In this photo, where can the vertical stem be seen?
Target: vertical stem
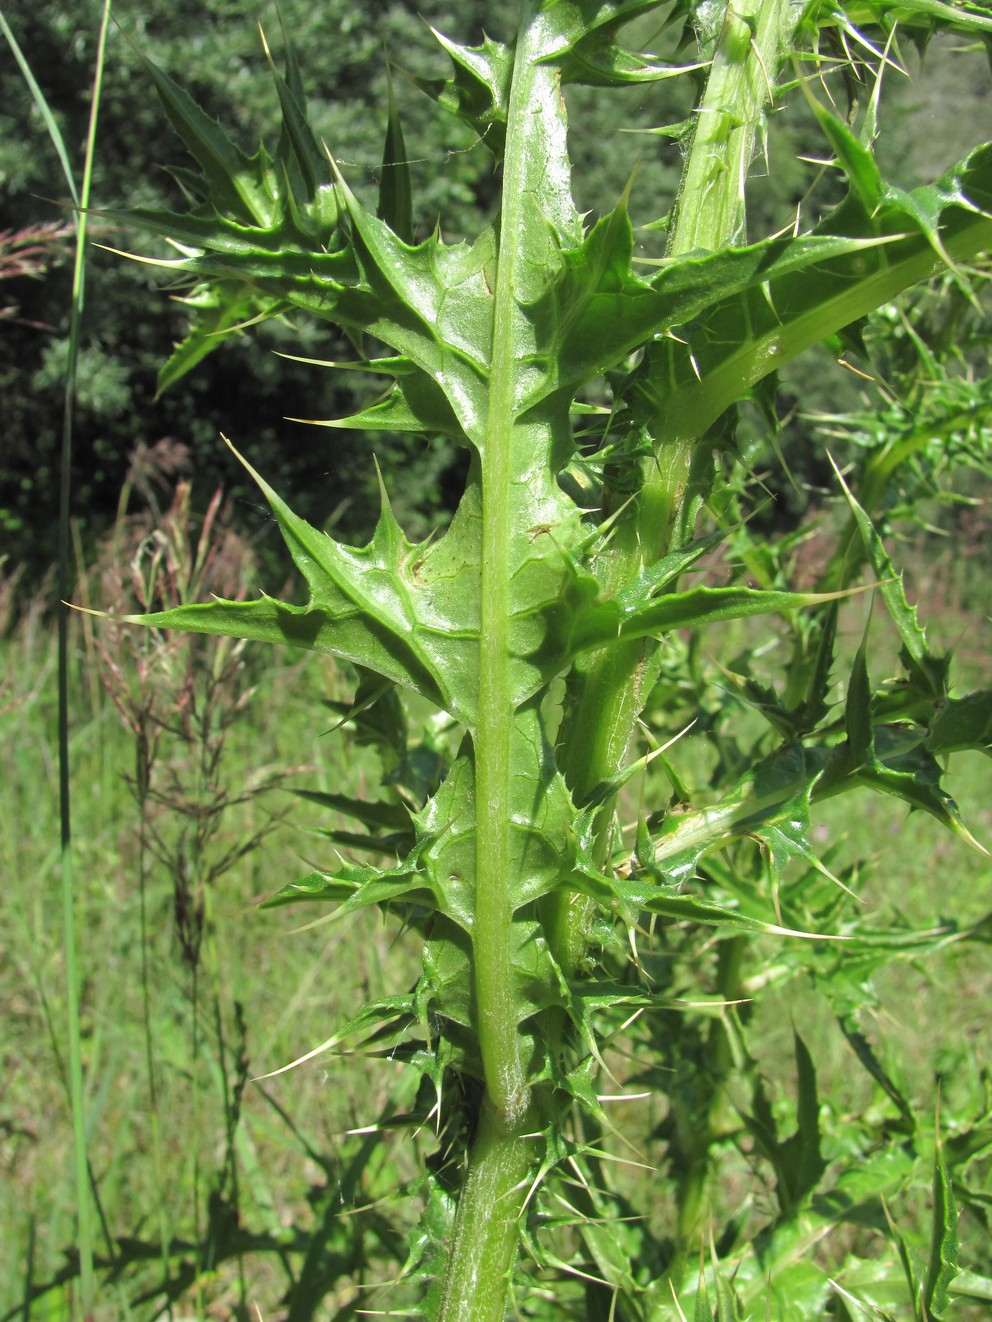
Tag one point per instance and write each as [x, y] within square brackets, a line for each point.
[753, 39]
[76, 1091]
[498, 1036]
[697, 1118]
[477, 1282]
[610, 692]
[477, 1278]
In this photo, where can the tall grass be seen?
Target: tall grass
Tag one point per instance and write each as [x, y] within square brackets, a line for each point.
[137, 997]
[81, 198]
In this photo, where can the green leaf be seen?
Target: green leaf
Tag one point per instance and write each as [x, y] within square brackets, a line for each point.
[393, 1012]
[415, 404]
[43, 108]
[810, 1165]
[366, 606]
[702, 1310]
[478, 91]
[299, 152]
[637, 611]
[236, 181]
[374, 814]
[890, 585]
[965, 17]
[814, 706]
[728, 1304]
[353, 887]
[633, 896]
[585, 48]
[742, 337]
[914, 776]
[857, 712]
[971, 1285]
[218, 312]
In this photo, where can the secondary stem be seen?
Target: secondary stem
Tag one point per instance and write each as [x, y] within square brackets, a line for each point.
[711, 215]
[754, 36]
[610, 693]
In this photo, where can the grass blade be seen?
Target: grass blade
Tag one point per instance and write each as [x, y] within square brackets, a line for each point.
[84, 1211]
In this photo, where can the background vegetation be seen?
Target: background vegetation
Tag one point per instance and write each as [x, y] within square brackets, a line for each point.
[188, 994]
[131, 325]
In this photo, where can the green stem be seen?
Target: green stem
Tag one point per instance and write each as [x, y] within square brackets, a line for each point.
[600, 726]
[477, 1277]
[498, 1036]
[609, 692]
[699, 1119]
[477, 1283]
[700, 404]
[735, 815]
[752, 41]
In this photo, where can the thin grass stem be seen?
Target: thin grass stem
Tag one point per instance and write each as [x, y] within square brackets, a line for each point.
[83, 1197]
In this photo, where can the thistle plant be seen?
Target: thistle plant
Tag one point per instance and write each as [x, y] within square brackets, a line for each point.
[555, 623]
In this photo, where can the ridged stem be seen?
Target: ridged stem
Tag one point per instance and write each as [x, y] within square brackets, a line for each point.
[753, 39]
[493, 735]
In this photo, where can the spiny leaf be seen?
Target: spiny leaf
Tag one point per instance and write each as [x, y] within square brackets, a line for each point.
[857, 711]
[890, 586]
[375, 813]
[865, 1053]
[637, 612]
[218, 312]
[746, 336]
[631, 896]
[585, 48]
[236, 180]
[479, 90]
[299, 151]
[728, 1305]
[415, 404]
[814, 706]
[964, 16]
[391, 1010]
[353, 887]
[914, 776]
[809, 1165]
